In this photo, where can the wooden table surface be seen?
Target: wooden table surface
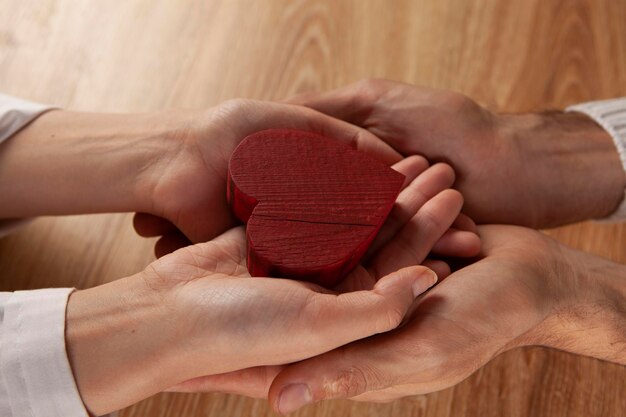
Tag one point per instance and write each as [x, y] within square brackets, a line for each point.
[142, 55]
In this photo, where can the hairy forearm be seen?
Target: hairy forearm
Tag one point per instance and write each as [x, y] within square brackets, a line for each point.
[590, 316]
[570, 164]
[70, 163]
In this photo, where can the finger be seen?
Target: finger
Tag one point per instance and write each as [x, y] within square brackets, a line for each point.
[343, 318]
[148, 225]
[458, 244]
[410, 167]
[252, 116]
[170, 243]
[372, 312]
[427, 185]
[413, 243]
[347, 372]
[441, 268]
[464, 222]
[251, 382]
[353, 103]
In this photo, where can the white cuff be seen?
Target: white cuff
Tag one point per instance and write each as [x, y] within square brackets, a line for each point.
[611, 115]
[36, 373]
[16, 113]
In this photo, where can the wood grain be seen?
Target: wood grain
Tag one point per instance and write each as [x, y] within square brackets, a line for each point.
[140, 55]
[312, 205]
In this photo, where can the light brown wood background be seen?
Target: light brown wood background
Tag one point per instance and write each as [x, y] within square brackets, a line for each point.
[142, 55]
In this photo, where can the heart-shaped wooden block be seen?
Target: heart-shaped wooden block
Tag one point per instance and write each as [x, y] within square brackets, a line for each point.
[312, 204]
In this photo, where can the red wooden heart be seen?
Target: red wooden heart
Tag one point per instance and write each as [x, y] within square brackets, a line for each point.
[313, 205]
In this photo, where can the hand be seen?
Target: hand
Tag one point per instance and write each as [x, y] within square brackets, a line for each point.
[536, 170]
[170, 166]
[189, 189]
[526, 290]
[197, 312]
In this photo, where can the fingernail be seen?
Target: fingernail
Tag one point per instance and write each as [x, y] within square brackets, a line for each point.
[293, 397]
[423, 282]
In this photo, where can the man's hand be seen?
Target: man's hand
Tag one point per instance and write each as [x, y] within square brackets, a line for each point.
[537, 170]
[527, 290]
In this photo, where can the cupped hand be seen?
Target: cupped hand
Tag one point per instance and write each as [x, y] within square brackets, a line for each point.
[187, 184]
[457, 327]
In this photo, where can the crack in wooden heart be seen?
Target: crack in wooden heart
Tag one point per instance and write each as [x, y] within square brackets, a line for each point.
[312, 205]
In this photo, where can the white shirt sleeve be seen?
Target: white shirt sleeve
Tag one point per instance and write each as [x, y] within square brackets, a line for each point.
[35, 375]
[611, 115]
[16, 113]
[37, 380]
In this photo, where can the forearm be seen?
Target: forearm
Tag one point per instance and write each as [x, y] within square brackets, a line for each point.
[70, 163]
[570, 164]
[589, 316]
[121, 343]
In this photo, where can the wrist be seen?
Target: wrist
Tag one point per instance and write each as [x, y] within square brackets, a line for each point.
[568, 164]
[121, 343]
[72, 163]
[588, 316]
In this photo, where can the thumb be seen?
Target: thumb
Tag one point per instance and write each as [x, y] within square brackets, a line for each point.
[355, 315]
[371, 364]
[321, 377]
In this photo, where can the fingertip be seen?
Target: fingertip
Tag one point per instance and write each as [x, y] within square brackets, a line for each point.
[464, 222]
[411, 167]
[423, 281]
[418, 278]
[441, 268]
[474, 244]
[455, 196]
[446, 170]
[291, 398]
[458, 243]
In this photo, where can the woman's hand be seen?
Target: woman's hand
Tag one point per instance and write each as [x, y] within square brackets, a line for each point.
[169, 165]
[197, 312]
[189, 186]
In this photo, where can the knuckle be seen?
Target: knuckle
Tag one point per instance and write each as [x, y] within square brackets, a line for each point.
[431, 220]
[235, 106]
[370, 89]
[457, 102]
